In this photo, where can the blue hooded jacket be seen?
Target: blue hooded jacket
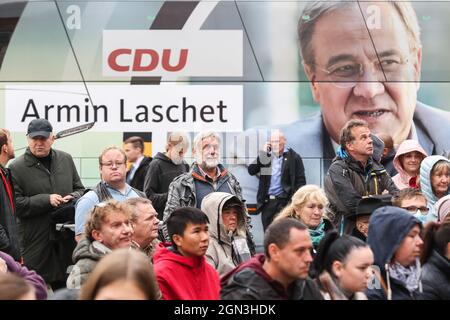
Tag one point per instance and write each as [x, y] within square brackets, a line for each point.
[388, 226]
[425, 183]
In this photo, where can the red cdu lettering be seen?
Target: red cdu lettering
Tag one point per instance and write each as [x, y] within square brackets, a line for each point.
[137, 63]
[112, 59]
[181, 61]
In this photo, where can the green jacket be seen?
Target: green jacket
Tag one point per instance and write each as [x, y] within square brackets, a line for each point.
[33, 184]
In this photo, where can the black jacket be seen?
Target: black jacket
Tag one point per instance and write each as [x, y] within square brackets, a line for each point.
[249, 281]
[33, 184]
[292, 175]
[139, 176]
[436, 278]
[388, 227]
[347, 182]
[160, 174]
[9, 238]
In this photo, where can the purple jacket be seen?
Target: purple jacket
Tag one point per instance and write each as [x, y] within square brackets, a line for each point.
[30, 276]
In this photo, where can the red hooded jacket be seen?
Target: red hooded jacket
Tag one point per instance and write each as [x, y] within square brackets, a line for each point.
[185, 278]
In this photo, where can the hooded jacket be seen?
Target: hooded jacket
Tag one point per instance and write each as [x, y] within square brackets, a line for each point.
[220, 250]
[250, 281]
[85, 256]
[161, 172]
[442, 208]
[388, 226]
[184, 278]
[425, 183]
[183, 191]
[403, 180]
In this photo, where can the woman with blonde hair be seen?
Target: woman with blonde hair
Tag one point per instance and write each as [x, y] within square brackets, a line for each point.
[308, 205]
[124, 274]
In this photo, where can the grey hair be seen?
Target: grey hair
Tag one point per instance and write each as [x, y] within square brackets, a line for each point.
[203, 135]
[174, 138]
[314, 10]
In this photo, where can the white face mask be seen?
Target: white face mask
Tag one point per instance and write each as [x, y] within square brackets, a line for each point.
[421, 216]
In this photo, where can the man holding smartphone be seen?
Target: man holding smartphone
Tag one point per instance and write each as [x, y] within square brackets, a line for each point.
[281, 173]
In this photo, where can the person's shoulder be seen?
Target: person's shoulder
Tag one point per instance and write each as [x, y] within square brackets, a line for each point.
[89, 196]
[18, 162]
[62, 154]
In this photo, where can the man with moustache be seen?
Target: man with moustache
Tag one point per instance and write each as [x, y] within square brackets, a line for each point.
[206, 175]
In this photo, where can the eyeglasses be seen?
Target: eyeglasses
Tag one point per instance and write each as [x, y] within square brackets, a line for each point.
[414, 209]
[347, 74]
[110, 164]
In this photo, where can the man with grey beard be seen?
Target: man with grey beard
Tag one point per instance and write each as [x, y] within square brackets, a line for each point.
[206, 175]
[164, 168]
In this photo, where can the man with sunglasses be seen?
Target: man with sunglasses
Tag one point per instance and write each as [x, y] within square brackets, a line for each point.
[112, 165]
[363, 61]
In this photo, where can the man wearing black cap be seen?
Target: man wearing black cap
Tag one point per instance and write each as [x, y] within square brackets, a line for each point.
[365, 208]
[44, 179]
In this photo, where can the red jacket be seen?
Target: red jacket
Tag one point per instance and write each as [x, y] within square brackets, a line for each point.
[185, 278]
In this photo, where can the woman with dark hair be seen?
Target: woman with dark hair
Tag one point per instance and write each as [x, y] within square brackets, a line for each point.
[123, 274]
[343, 265]
[436, 261]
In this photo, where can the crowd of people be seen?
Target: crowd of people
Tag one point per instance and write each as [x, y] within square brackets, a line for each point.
[364, 236]
[160, 228]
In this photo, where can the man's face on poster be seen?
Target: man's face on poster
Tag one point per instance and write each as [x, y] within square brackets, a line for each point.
[348, 80]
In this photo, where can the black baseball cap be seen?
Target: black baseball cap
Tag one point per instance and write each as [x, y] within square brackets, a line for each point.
[39, 128]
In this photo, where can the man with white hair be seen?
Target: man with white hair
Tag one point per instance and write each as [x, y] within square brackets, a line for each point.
[206, 175]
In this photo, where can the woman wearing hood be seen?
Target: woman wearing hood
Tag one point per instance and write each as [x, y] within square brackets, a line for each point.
[228, 245]
[407, 162]
[394, 237]
[434, 181]
[442, 208]
[308, 205]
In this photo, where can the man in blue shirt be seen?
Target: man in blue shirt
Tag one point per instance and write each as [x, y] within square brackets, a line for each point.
[281, 173]
[112, 162]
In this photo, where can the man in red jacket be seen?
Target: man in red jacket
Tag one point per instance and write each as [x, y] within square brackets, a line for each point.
[181, 268]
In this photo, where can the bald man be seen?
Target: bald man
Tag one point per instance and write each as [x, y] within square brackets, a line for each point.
[281, 173]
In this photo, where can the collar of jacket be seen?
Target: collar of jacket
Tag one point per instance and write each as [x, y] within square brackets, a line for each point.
[196, 174]
[370, 167]
[31, 160]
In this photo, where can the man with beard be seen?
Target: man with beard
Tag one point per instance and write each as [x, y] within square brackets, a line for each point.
[164, 168]
[9, 239]
[206, 175]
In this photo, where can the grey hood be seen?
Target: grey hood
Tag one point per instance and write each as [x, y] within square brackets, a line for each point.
[212, 205]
